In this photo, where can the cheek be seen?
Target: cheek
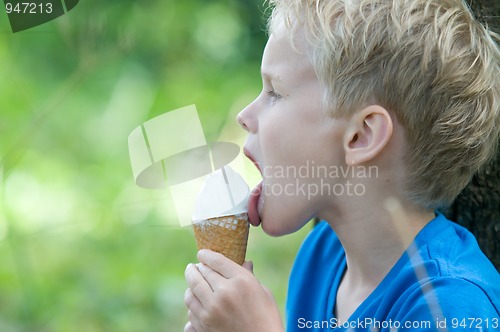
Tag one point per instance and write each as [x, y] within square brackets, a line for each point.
[292, 141]
[275, 140]
[285, 210]
[283, 138]
[285, 143]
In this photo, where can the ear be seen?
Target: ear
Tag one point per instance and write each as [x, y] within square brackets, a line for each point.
[368, 132]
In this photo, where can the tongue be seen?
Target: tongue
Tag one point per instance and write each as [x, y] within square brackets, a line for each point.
[253, 201]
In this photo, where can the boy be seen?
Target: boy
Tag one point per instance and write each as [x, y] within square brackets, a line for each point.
[390, 106]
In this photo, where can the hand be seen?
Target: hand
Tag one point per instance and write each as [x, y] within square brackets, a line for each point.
[224, 296]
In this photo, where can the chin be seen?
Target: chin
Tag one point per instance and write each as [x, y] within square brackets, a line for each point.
[272, 229]
[284, 225]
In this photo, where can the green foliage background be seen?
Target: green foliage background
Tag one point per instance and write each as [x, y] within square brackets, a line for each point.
[81, 247]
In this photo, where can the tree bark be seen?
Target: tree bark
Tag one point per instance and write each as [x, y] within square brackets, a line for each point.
[487, 12]
[478, 206]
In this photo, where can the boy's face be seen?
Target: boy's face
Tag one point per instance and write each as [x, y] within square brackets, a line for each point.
[289, 132]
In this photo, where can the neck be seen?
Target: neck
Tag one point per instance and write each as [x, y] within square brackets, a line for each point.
[374, 239]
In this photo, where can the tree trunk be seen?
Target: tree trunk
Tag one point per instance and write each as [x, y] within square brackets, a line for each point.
[487, 12]
[478, 206]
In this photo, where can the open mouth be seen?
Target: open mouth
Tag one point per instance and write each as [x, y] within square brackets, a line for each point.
[252, 159]
[255, 202]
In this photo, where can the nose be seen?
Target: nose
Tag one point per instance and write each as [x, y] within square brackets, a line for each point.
[247, 118]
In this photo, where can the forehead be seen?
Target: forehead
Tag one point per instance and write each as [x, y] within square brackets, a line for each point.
[282, 60]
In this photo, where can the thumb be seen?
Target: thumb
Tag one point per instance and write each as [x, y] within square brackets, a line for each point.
[248, 265]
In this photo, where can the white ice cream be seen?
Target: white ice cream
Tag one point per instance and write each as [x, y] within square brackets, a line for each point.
[223, 193]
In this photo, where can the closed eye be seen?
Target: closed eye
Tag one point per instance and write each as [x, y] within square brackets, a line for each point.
[275, 96]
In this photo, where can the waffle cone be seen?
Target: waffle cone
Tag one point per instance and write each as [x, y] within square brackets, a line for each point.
[227, 235]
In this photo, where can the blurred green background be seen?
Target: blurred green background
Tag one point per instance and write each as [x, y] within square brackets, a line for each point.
[82, 248]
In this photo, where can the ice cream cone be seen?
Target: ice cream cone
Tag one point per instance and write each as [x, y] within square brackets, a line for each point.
[227, 235]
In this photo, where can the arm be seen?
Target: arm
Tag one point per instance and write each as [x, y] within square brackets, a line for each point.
[223, 296]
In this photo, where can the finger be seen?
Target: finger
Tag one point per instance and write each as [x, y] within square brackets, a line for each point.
[195, 322]
[248, 265]
[218, 263]
[192, 303]
[199, 286]
[214, 279]
[189, 328]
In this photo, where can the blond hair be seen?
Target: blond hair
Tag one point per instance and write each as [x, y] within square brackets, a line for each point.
[428, 61]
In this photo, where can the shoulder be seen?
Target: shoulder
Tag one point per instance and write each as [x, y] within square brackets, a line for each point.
[462, 304]
[446, 250]
[444, 275]
[455, 292]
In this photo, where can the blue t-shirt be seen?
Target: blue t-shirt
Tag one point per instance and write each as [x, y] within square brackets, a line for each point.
[443, 282]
